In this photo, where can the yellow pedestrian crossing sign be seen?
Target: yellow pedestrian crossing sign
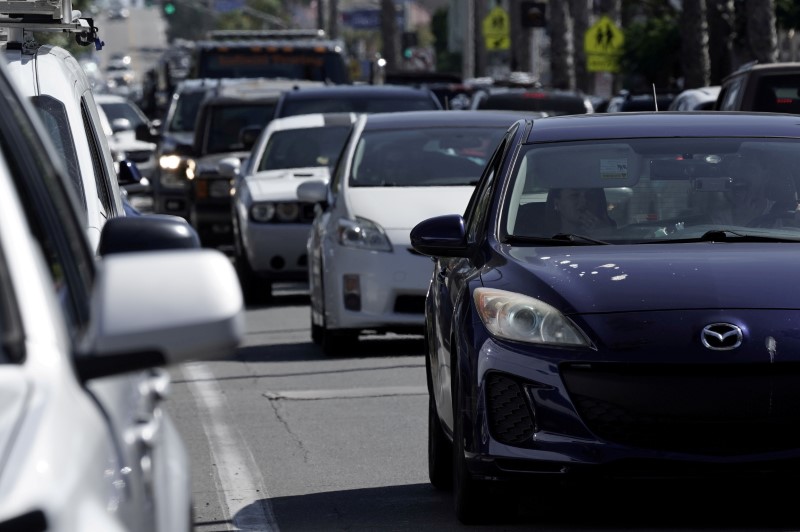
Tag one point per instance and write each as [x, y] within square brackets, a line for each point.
[603, 44]
[497, 30]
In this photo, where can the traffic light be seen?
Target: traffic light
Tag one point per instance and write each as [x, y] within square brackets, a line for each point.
[409, 41]
[169, 8]
[533, 14]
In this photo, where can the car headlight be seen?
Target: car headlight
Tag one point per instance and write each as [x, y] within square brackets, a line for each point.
[525, 319]
[262, 212]
[363, 234]
[287, 212]
[169, 162]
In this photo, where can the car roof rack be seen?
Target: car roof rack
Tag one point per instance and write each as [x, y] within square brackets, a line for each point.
[22, 17]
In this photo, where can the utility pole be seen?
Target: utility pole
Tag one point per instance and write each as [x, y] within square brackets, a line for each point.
[333, 19]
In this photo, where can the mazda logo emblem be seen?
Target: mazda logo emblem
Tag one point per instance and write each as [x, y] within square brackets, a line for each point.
[721, 336]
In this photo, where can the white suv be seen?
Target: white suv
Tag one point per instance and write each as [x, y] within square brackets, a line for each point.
[53, 80]
[85, 444]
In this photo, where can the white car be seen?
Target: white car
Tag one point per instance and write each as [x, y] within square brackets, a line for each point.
[124, 116]
[397, 169]
[271, 225]
[52, 79]
[85, 442]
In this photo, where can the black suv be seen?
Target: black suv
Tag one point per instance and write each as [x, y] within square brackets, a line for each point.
[768, 87]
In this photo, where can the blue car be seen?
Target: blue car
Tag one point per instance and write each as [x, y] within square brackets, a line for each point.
[620, 299]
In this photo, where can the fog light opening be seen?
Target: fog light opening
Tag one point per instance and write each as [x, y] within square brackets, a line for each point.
[277, 262]
[351, 292]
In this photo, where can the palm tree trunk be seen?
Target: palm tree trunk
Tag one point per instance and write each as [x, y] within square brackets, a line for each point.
[694, 44]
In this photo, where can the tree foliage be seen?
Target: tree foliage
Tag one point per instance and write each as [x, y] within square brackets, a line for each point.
[652, 53]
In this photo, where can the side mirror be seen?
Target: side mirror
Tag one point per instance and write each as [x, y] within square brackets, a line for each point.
[128, 173]
[145, 132]
[153, 232]
[442, 236]
[229, 167]
[314, 191]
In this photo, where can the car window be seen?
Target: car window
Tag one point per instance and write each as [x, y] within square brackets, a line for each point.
[53, 114]
[48, 206]
[355, 104]
[227, 121]
[778, 94]
[730, 94]
[124, 110]
[437, 156]
[101, 177]
[297, 148]
[185, 113]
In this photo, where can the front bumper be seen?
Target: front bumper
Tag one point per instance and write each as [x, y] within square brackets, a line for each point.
[277, 250]
[391, 289]
[540, 413]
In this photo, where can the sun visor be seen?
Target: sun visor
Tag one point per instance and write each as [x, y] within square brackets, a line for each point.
[603, 165]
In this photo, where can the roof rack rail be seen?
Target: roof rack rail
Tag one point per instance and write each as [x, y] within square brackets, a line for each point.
[21, 17]
[266, 34]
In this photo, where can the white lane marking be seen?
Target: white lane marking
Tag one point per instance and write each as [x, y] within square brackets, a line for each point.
[245, 495]
[314, 395]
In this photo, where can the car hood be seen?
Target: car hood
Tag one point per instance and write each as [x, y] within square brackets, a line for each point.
[595, 279]
[282, 184]
[401, 208]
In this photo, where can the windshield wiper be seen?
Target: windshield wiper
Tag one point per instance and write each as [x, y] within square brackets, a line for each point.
[560, 239]
[727, 235]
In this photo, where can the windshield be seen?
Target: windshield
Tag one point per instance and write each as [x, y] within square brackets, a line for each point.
[185, 113]
[655, 190]
[439, 156]
[302, 148]
[115, 111]
[227, 123]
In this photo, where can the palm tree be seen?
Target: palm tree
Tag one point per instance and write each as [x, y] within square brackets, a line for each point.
[562, 61]
[694, 44]
[761, 33]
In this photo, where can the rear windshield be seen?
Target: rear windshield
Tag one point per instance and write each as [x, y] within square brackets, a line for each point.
[271, 62]
[534, 101]
[778, 94]
[357, 103]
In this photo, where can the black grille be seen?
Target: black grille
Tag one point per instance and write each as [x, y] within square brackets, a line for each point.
[307, 212]
[712, 411]
[409, 305]
[510, 419]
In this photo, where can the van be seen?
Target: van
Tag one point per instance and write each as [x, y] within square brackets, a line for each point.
[56, 84]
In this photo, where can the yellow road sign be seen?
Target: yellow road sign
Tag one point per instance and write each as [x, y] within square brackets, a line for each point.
[603, 44]
[497, 29]
[604, 37]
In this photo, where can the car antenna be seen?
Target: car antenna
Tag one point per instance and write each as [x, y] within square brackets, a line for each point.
[655, 98]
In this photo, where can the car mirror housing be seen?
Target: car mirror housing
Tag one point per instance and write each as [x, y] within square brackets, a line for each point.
[128, 173]
[153, 232]
[229, 167]
[161, 308]
[314, 191]
[441, 236]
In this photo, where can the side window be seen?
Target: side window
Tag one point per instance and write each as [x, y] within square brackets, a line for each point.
[100, 173]
[50, 209]
[53, 114]
[476, 212]
[730, 96]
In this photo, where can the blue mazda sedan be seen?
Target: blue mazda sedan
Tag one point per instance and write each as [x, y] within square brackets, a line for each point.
[621, 298]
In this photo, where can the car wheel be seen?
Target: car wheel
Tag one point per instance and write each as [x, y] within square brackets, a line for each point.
[255, 289]
[336, 343]
[471, 496]
[316, 331]
[440, 451]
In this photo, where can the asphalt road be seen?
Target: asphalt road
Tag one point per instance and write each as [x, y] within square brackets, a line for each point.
[284, 438]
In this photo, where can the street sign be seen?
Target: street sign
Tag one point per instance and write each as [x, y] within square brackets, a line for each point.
[497, 30]
[603, 44]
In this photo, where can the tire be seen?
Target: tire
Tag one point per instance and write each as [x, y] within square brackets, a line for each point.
[440, 451]
[316, 332]
[255, 289]
[471, 496]
[336, 343]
